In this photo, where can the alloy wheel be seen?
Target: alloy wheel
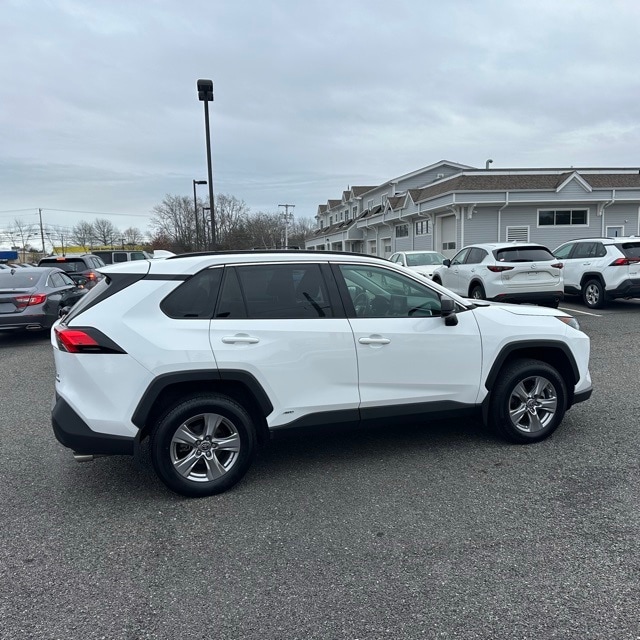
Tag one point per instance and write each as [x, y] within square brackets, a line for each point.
[533, 404]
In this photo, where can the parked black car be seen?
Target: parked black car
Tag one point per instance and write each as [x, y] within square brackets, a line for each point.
[77, 267]
[32, 298]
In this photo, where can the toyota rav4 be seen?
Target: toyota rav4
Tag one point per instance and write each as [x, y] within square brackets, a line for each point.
[209, 355]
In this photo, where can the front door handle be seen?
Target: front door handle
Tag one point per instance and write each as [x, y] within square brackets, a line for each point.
[240, 337]
[374, 340]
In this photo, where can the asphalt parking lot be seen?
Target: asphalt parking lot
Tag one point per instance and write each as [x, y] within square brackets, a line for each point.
[425, 531]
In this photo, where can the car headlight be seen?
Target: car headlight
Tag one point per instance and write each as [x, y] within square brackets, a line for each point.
[570, 320]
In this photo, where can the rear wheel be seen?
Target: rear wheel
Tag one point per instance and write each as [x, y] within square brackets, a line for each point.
[204, 445]
[528, 402]
[477, 292]
[593, 294]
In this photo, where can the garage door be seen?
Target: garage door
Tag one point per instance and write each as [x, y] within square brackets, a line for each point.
[448, 236]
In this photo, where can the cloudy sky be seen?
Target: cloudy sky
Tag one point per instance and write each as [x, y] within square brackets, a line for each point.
[99, 112]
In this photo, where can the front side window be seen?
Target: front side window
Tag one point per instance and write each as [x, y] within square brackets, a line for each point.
[376, 292]
[563, 252]
[460, 256]
[265, 291]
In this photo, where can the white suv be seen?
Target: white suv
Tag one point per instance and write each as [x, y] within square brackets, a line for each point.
[210, 354]
[601, 269]
[504, 272]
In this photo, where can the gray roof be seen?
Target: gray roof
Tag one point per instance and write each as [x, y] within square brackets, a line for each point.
[523, 182]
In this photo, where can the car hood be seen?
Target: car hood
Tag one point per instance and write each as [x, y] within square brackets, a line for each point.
[425, 270]
[518, 309]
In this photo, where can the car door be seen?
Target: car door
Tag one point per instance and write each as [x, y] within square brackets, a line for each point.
[407, 356]
[469, 270]
[451, 275]
[577, 263]
[285, 325]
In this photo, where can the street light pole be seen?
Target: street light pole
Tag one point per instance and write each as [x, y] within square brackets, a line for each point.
[205, 94]
[195, 211]
[287, 217]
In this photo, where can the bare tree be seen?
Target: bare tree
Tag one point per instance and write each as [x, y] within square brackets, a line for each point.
[105, 232]
[133, 236]
[231, 214]
[174, 219]
[83, 235]
[300, 230]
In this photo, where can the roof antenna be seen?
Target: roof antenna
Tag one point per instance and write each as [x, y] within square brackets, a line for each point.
[487, 163]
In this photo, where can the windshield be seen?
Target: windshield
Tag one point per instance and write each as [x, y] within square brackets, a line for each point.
[423, 259]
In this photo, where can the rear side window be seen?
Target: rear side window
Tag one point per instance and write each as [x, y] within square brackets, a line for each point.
[523, 254]
[630, 249]
[476, 256]
[195, 298]
[275, 291]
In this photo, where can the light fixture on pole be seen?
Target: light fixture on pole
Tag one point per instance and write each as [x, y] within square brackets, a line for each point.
[195, 211]
[287, 218]
[205, 94]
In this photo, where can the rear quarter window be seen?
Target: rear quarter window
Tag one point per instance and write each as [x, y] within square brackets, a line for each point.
[195, 298]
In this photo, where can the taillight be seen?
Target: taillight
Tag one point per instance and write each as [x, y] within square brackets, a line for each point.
[624, 262]
[497, 269]
[91, 275]
[22, 302]
[557, 265]
[84, 340]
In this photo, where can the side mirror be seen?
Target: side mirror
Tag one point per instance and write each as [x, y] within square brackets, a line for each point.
[448, 311]
[447, 263]
[63, 312]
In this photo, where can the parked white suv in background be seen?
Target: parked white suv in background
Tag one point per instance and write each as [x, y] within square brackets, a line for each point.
[601, 269]
[504, 272]
[422, 262]
[210, 354]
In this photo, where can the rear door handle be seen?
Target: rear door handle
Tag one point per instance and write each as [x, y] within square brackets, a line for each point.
[240, 337]
[374, 340]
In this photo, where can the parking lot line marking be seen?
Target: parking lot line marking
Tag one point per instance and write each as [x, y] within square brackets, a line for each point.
[586, 313]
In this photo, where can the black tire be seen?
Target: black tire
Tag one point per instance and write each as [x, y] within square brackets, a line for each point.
[181, 456]
[477, 292]
[527, 402]
[593, 294]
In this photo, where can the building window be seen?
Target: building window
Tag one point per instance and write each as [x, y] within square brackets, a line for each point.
[563, 217]
[330, 220]
[402, 231]
[369, 204]
[422, 228]
[354, 211]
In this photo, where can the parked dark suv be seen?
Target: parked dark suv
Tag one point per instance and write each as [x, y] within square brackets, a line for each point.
[77, 267]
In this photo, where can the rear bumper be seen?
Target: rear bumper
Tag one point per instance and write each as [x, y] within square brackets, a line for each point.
[627, 289]
[536, 297]
[13, 321]
[581, 396]
[72, 432]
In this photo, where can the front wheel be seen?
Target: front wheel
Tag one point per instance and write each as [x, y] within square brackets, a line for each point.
[204, 445]
[593, 294]
[528, 401]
